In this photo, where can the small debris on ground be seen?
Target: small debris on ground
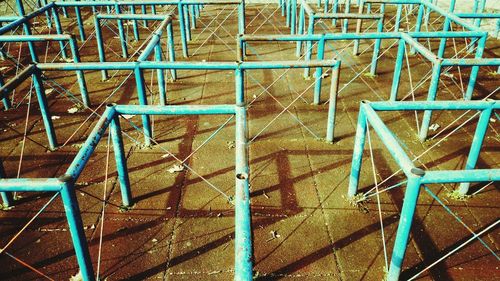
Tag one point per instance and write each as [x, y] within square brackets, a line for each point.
[176, 168]
[230, 144]
[73, 110]
[434, 127]
[55, 117]
[154, 240]
[265, 195]
[274, 235]
[48, 91]
[447, 74]
[76, 277]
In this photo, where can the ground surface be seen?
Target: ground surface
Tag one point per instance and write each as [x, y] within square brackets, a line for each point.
[303, 227]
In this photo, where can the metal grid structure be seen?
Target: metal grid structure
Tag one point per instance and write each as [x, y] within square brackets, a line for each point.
[187, 14]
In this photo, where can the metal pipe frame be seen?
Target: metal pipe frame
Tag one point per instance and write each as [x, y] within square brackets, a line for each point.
[65, 184]
[416, 176]
[238, 67]
[187, 10]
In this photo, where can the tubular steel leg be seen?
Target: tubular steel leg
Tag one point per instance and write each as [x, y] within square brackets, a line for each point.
[332, 107]
[346, 21]
[397, 70]
[418, 25]
[27, 30]
[243, 224]
[141, 92]
[319, 72]
[59, 31]
[475, 69]
[79, 73]
[300, 30]
[182, 28]
[431, 96]
[161, 76]
[135, 26]
[293, 18]
[121, 33]
[239, 75]
[100, 47]
[477, 142]
[44, 109]
[143, 11]
[404, 227]
[359, 25]
[398, 18]
[75, 223]
[357, 154]
[81, 30]
[378, 42]
[171, 50]
[186, 22]
[335, 8]
[310, 31]
[121, 161]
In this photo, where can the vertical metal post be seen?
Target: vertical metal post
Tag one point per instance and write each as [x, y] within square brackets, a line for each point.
[431, 96]
[243, 224]
[242, 22]
[359, 25]
[477, 142]
[347, 10]
[186, 21]
[404, 227]
[293, 19]
[100, 46]
[7, 198]
[310, 31]
[239, 75]
[319, 71]
[162, 92]
[79, 73]
[79, 22]
[47, 15]
[141, 93]
[44, 108]
[475, 69]
[397, 70]
[135, 26]
[300, 30]
[75, 223]
[171, 50]
[335, 8]
[288, 13]
[332, 106]
[357, 154]
[418, 24]
[121, 32]
[182, 28]
[143, 11]
[378, 42]
[59, 31]
[398, 17]
[193, 16]
[121, 160]
[446, 27]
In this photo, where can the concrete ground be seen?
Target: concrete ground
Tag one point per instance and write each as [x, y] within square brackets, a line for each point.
[180, 228]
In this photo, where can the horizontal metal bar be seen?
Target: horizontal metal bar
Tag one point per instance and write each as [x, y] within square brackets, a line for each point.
[347, 16]
[149, 2]
[450, 16]
[175, 109]
[24, 19]
[35, 185]
[133, 16]
[156, 36]
[421, 49]
[472, 62]
[9, 18]
[185, 65]
[457, 176]
[433, 105]
[478, 15]
[35, 38]
[6, 89]
[390, 2]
